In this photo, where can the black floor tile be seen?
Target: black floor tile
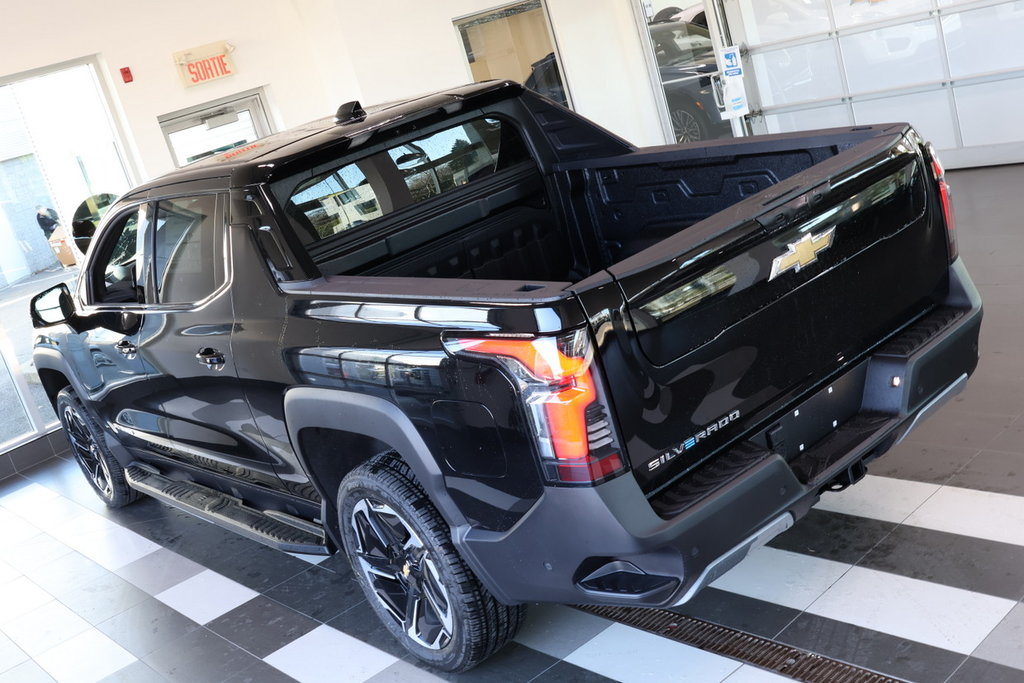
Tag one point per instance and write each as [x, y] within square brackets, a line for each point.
[257, 568]
[200, 657]
[262, 626]
[260, 672]
[870, 649]
[930, 464]
[765, 619]
[976, 670]
[564, 672]
[360, 621]
[833, 536]
[102, 598]
[6, 467]
[146, 627]
[318, 593]
[993, 471]
[952, 560]
[514, 662]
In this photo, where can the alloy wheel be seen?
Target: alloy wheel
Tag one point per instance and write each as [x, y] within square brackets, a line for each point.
[87, 451]
[402, 574]
[686, 126]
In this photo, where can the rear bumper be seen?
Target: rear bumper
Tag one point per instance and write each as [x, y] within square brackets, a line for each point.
[611, 545]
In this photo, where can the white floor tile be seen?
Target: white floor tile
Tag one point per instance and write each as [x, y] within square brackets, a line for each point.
[159, 571]
[27, 672]
[945, 617]
[751, 674]
[628, 654]
[7, 572]
[206, 596]
[328, 655]
[53, 513]
[20, 596]
[557, 630]
[782, 577]
[45, 627]
[10, 654]
[113, 548]
[88, 657]
[992, 516]
[28, 499]
[312, 559]
[37, 551]
[14, 530]
[884, 498]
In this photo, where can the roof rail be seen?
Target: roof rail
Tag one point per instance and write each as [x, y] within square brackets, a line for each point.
[349, 112]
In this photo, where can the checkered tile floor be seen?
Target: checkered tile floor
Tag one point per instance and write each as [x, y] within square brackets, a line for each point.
[917, 572]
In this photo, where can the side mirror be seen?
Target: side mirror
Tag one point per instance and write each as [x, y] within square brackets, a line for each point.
[52, 306]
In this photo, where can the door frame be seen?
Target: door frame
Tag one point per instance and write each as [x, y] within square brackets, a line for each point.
[253, 100]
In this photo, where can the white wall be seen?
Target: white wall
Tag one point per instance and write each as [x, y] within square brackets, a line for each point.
[312, 55]
[272, 50]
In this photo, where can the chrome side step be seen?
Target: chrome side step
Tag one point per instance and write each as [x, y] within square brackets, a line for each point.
[276, 529]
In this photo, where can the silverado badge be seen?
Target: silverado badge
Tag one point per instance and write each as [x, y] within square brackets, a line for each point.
[801, 253]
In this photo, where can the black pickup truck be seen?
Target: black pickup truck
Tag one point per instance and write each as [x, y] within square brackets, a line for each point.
[497, 355]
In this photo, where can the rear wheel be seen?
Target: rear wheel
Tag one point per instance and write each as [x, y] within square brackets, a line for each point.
[101, 469]
[403, 557]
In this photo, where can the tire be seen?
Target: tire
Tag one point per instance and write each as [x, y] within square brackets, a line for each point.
[402, 555]
[103, 472]
[688, 125]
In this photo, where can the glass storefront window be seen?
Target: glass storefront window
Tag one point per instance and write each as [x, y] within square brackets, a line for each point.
[514, 42]
[57, 147]
[684, 55]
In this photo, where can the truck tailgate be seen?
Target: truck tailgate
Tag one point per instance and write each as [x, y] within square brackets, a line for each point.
[739, 314]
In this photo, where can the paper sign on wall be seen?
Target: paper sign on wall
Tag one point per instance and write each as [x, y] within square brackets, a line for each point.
[733, 93]
[205, 63]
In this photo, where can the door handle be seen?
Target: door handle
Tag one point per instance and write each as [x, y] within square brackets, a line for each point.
[126, 349]
[211, 358]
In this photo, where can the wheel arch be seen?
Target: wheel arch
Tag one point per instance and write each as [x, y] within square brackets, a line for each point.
[334, 431]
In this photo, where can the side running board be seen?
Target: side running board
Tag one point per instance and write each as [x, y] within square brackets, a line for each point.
[276, 529]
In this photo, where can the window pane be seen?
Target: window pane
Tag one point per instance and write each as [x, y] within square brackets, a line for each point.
[997, 28]
[769, 20]
[349, 196]
[117, 273]
[797, 74]
[892, 57]
[188, 256]
[849, 13]
[929, 112]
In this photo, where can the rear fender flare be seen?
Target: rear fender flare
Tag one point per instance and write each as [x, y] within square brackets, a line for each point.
[308, 407]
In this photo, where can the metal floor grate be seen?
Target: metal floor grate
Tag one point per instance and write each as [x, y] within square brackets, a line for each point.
[767, 654]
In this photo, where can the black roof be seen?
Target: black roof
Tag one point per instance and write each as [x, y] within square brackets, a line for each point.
[257, 160]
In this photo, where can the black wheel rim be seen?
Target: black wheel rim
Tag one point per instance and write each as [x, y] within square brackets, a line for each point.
[686, 126]
[86, 450]
[402, 574]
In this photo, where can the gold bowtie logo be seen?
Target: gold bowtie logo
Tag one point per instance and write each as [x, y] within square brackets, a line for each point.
[801, 253]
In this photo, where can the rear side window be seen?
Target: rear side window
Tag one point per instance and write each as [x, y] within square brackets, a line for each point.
[350, 195]
[188, 253]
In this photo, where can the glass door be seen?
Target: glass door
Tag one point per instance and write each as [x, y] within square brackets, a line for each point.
[214, 127]
[683, 55]
[514, 42]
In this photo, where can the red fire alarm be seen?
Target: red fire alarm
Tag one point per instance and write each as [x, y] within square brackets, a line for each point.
[126, 74]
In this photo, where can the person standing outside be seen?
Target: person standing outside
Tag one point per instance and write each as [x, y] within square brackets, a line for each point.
[47, 219]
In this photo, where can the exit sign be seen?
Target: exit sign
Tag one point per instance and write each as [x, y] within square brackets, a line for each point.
[205, 63]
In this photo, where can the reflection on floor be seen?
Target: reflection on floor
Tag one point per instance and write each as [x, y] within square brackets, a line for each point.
[917, 572]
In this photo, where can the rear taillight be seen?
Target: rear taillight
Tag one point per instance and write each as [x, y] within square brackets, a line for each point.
[564, 399]
[939, 174]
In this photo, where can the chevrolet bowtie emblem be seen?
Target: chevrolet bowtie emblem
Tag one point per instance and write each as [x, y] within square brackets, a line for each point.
[801, 253]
